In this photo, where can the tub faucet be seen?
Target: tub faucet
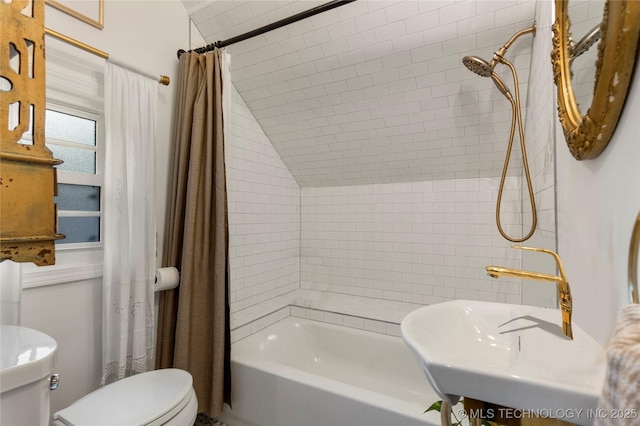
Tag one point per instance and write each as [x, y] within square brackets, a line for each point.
[564, 291]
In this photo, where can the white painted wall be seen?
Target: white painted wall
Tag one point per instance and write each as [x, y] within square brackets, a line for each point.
[598, 201]
[71, 313]
[145, 34]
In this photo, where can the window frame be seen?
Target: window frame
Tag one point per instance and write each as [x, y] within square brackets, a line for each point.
[79, 178]
[75, 261]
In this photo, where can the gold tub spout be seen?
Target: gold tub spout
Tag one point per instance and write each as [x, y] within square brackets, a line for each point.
[564, 291]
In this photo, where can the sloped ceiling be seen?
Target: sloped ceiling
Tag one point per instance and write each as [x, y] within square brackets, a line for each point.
[375, 91]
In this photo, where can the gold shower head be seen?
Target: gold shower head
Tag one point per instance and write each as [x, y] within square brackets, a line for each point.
[478, 66]
[484, 69]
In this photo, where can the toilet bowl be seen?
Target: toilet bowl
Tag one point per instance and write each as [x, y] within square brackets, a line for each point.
[160, 397]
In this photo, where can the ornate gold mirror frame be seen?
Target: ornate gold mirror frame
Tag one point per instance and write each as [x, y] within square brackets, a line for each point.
[588, 135]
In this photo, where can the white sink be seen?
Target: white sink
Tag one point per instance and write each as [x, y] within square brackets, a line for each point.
[510, 355]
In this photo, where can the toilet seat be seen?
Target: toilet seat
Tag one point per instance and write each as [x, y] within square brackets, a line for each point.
[151, 398]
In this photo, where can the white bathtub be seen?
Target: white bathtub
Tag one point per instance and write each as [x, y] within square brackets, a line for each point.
[304, 373]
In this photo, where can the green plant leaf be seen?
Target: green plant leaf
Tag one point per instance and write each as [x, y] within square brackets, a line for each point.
[486, 423]
[436, 406]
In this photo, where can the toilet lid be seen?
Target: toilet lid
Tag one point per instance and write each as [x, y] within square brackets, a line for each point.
[142, 399]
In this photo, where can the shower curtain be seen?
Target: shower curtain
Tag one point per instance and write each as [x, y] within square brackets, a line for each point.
[129, 223]
[193, 323]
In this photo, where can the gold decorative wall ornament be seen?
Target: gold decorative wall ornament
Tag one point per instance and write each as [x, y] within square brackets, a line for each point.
[27, 175]
[587, 135]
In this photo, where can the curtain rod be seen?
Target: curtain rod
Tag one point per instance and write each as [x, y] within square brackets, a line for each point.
[278, 24]
[164, 80]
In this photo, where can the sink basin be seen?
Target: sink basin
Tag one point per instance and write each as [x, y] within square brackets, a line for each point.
[510, 355]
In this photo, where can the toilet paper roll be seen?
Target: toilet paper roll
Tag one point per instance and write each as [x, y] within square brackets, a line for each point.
[167, 278]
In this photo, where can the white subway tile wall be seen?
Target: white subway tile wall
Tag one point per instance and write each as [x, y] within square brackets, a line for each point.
[540, 135]
[254, 325]
[419, 242]
[347, 320]
[195, 38]
[539, 126]
[375, 91]
[344, 98]
[377, 315]
[264, 214]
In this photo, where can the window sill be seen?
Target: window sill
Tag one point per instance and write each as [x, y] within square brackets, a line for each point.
[51, 275]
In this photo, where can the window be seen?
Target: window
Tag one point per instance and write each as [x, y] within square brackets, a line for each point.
[75, 137]
[74, 132]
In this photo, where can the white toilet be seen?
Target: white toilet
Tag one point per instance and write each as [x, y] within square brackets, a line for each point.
[27, 358]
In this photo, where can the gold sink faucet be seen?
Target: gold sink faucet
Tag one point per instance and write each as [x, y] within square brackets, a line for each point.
[564, 291]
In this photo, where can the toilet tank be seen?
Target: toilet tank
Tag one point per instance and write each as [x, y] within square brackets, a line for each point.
[27, 359]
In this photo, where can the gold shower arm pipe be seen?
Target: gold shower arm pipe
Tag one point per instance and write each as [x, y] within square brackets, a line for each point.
[164, 80]
[531, 29]
[499, 54]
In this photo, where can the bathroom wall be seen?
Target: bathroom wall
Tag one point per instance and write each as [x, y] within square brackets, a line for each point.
[423, 265]
[264, 214]
[426, 242]
[374, 91]
[598, 202]
[540, 137]
[418, 242]
[65, 301]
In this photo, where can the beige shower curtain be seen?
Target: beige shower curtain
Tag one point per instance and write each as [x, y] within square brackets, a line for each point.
[193, 319]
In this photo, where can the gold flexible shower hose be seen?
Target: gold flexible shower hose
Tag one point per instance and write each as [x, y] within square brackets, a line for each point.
[516, 114]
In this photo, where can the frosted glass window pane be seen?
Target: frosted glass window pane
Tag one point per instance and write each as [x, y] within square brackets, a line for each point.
[70, 128]
[78, 197]
[79, 229]
[75, 160]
